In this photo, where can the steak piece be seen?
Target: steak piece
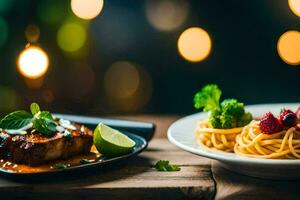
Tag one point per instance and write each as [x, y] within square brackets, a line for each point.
[35, 149]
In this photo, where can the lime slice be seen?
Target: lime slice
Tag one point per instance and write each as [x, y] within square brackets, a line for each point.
[111, 142]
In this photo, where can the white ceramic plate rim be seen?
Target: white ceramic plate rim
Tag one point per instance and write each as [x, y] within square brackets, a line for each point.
[256, 110]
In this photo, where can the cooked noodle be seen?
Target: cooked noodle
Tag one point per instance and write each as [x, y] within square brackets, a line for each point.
[253, 143]
[219, 139]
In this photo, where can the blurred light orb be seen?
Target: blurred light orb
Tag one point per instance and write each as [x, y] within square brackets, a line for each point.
[87, 9]
[288, 47]
[52, 12]
[121, 80]
[33, 62]
[295, 6]
[194, 44]
[6, 5]
[9, 98]
[167, 15]
[71, 37]
[3, 31]
[32, 33]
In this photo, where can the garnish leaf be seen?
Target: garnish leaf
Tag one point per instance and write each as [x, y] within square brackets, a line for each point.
[164, 165]
[62, 166]
[45, 123]
[34, 108]
[85, 161]
[16, 120]
[208, 98]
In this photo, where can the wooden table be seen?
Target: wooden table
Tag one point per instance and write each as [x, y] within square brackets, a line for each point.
[199, 178]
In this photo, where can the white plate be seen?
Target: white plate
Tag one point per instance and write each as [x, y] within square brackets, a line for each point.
[181, 133]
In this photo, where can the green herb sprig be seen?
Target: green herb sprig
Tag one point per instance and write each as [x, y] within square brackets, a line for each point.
[165, 166]
[41, 120]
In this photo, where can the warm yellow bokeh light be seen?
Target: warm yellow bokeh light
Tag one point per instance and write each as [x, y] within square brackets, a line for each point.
[295, 7]
[33, 62]
[167, 15]
[71, 37]
[288, 47]
[87, 9]
[121, 80]
[194, 44]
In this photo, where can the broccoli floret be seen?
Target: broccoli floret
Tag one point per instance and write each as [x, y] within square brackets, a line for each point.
[208, 98]
[229, 114]
[245, 119]
[228, 121]
[214, 119]
[232, 107]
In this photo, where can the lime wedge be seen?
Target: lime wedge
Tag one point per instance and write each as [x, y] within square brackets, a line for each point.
[111, 142]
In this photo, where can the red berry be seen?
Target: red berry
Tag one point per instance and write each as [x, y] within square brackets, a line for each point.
[298, 112]
[288, 118]
[284, 112]
[297, 127]
[270, 124]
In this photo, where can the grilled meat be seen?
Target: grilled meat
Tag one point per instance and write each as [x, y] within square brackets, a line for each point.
[34, 149]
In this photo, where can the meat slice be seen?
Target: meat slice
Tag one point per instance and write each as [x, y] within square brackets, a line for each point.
[34, 149]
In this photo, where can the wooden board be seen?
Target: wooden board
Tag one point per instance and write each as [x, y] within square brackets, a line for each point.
[134, 178]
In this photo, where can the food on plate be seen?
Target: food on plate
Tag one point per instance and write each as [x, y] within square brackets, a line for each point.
[271, 137]
[225, 121]
[111, 142]
[38, 137]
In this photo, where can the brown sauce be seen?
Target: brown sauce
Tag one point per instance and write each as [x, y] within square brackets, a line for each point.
[7, 165]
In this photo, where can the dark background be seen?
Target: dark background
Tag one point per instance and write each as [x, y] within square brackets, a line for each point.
[244, 61]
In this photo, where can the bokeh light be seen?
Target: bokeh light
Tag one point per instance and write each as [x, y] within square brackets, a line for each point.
[5, 5]
[87, 9]
[128, 86]
[32, 33]
[9, 98]
[295, 6]
[121, 80]
[71, 37]
[194, 44]
[33, 62]
[52, 11]
[288, 47]
[3, 31]
[167, 15]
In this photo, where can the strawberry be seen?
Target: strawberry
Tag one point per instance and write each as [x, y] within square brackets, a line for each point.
[288, 118]
[270, 124]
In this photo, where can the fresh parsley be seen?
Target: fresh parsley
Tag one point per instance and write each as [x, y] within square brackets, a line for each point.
[165, 166]
[41, 120]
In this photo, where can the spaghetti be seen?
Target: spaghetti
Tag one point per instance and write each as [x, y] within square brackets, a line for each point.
[218, 139]
[253, 143]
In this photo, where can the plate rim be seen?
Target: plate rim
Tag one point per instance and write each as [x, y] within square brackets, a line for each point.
[223, 156]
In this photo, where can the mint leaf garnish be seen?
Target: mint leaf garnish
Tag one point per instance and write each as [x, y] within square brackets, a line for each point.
[164, 165]
[34, 108]
[16, 120]
[44, 123]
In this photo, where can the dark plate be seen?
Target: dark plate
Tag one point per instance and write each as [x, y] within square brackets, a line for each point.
[134, 130]
[141, 144]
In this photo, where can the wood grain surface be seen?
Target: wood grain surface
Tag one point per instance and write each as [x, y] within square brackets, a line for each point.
[134, 179]
[199, 178]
